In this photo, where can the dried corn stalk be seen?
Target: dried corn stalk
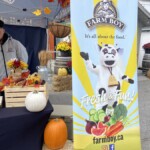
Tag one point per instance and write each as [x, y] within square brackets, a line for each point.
[44, 56]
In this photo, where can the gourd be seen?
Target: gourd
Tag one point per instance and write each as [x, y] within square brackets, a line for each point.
[35, 101]
[55, 134]
[62, 72]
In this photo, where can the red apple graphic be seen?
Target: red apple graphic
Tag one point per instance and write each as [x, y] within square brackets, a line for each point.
[98, 131]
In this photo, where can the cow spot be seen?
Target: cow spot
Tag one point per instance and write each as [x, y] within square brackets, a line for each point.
[102, 91]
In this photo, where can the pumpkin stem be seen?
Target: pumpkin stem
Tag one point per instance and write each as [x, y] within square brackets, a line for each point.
[57, 119]
[35, 92]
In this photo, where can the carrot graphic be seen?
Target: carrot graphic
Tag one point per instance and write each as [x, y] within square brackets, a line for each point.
[114, 129]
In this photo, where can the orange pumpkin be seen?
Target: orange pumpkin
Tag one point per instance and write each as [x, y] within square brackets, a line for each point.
[55, 134]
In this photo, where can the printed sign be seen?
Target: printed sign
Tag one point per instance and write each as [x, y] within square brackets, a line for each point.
[105, 96]
[105, 13]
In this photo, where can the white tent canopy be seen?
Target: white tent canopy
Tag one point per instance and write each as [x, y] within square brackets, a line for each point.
[19, 12]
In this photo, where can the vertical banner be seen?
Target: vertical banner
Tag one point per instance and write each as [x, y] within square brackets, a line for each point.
[105, 94]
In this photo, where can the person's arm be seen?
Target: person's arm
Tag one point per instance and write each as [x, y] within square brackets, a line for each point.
[21, 52]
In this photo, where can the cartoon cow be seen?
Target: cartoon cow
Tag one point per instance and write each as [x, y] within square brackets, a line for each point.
[108, 72]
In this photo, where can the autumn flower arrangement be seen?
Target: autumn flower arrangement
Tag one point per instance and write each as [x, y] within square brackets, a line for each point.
[16, 64]
[19, 75]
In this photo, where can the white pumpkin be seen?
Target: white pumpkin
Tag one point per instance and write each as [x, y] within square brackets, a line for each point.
[35, 101]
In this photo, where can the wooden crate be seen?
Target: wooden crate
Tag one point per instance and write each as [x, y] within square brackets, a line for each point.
[15, 96]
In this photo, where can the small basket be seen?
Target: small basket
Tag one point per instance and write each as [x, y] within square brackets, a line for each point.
[59, 30]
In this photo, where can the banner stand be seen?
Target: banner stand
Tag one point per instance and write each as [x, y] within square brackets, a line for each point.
[105, 93]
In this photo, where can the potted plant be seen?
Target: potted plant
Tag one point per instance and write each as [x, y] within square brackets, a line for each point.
[64, 49]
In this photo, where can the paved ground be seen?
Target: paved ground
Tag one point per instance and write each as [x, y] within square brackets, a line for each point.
[144, 108]
[68, 146]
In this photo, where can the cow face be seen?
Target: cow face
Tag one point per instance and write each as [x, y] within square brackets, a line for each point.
[108, 55]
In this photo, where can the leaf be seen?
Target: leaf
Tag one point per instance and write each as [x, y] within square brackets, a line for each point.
[120, 112]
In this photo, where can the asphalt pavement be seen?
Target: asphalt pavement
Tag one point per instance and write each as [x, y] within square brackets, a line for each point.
[144, 109]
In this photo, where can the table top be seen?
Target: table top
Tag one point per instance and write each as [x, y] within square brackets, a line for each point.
[18, 111]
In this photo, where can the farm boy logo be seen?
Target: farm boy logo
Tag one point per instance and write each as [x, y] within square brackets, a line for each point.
[105, 13]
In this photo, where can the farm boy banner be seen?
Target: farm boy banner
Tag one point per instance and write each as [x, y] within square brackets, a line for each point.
[105, 96]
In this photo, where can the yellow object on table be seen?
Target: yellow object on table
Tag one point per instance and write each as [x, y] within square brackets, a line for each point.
[62, 72]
